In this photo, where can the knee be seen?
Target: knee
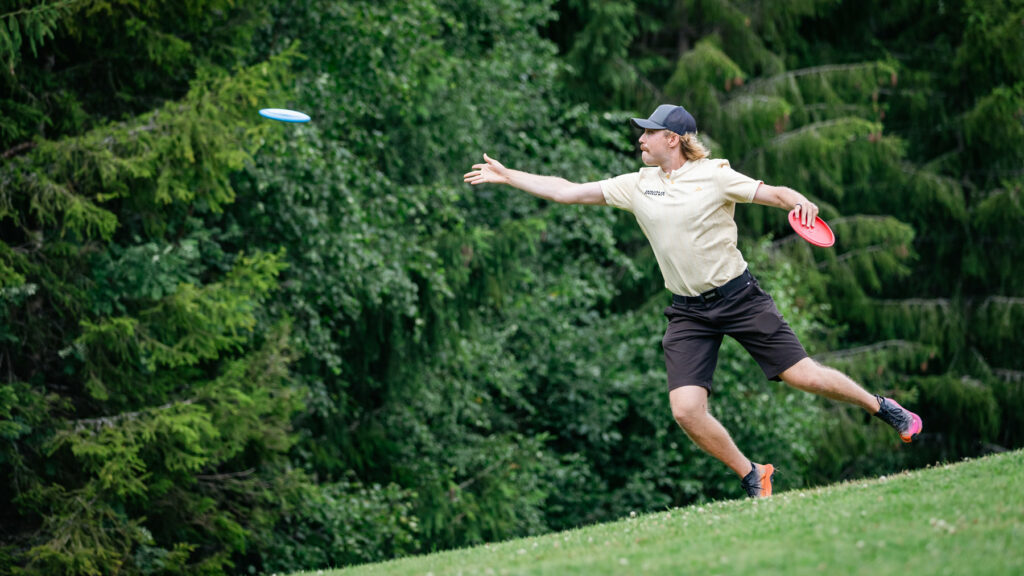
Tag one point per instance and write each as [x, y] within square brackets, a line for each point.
[806, 376]
[688, 414]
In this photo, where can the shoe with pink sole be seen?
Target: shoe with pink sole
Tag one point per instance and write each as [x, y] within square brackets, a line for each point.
[905, 422]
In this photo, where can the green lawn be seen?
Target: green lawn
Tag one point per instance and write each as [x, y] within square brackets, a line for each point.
[965, 518]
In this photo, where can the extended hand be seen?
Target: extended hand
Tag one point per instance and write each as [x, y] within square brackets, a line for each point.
[806, 212]
[491, 171]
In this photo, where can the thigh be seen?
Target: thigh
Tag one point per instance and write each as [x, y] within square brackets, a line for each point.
[766, 335]
[691, 350]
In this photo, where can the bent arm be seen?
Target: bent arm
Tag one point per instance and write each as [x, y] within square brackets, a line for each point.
[548, 187]
[787, 199]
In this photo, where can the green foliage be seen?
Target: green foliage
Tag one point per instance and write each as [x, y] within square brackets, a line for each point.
[31, 25]
[702, 75]
[135, 465]
[1003, 318]
[994, 127]
[991, 259]
[139, 367]
[334, 524]
[600, 47]
[1008, 389]
[398, 289]
[168, 156]
[235, 345]
[991, 44]
[968, 410]
[72, 64]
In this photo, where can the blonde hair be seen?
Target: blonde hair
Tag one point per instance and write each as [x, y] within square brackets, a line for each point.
[691, 147]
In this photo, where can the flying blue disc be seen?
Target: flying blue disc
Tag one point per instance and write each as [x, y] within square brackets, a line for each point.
[284, 115]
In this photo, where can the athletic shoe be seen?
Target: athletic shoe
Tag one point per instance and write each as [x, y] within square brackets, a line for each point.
[905, 422]
[758, 483]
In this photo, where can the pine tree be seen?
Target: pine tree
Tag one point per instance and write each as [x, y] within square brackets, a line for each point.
[795, 95]
[946, 187]
[144, 401]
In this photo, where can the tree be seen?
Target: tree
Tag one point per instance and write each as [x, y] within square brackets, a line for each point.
[829, 99]
[143, 408]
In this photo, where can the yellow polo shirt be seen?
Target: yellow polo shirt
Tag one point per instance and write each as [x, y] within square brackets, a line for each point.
[687, 217]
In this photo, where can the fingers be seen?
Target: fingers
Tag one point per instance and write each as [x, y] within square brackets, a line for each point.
[482, 173]
[807, 213]
[493, 163]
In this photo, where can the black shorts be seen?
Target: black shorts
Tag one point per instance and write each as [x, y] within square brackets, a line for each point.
[748, 314]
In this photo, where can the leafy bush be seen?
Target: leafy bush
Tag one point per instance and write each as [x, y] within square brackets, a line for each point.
[328, 525]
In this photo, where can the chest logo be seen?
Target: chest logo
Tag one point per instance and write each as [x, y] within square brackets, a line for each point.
[654, 192]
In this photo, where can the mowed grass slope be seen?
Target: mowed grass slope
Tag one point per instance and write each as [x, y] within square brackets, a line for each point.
[966, 518]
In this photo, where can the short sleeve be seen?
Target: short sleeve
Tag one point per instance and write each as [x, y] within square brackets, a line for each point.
[735, 187]
[619, 191]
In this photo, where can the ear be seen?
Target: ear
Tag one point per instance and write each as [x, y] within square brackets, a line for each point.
[674, 140]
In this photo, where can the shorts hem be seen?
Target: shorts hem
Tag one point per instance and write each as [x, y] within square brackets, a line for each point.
[705, 385]
[785, 366]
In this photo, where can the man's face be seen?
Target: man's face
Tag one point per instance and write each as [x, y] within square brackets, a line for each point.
[654, 148]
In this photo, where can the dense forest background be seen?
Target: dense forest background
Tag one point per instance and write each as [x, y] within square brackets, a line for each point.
[230, 345]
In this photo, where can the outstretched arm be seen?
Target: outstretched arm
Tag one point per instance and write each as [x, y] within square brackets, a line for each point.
[787, 199]
[548, 187]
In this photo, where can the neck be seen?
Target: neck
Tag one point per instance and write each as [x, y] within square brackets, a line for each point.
[673, 165]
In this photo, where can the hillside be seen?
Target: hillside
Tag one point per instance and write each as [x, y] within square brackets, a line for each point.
[964, 518]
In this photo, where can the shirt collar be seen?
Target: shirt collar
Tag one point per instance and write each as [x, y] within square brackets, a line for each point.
[686, 167]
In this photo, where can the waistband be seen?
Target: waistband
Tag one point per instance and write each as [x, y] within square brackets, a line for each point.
[730, 287]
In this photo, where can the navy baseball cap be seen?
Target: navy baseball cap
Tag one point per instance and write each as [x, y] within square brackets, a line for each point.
[668, 117]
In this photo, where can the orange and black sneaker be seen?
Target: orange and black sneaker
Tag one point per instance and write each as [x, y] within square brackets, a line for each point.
[758, 483]
[905, 422]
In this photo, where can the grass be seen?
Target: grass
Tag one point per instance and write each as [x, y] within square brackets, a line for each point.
[964, 518]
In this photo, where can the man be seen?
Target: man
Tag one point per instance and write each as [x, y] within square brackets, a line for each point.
[684, 203]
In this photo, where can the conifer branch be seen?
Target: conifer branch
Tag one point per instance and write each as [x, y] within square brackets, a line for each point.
[994, 447]
[861, 350]
[110, 421]
[1008, 375]
[651, 86]
[33, 24]
[19, 149]
[937, 302]
[467, 483]
[851, 254]
[756, 85]
[41, 8]
[814, 127]
[1005, 300]
[861, 217]
[787, 239]
[225, 475]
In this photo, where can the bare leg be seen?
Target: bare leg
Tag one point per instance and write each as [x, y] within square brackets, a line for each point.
[809, 376]
[690, 410]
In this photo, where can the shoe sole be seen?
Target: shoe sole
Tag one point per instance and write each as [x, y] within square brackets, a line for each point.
[769, 473]
[915, 429]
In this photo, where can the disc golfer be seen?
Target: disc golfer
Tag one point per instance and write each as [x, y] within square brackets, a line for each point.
[684, 202]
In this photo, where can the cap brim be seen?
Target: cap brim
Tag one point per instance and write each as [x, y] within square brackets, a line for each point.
[647, 124]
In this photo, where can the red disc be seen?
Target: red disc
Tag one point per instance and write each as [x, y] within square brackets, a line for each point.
[819, 235]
